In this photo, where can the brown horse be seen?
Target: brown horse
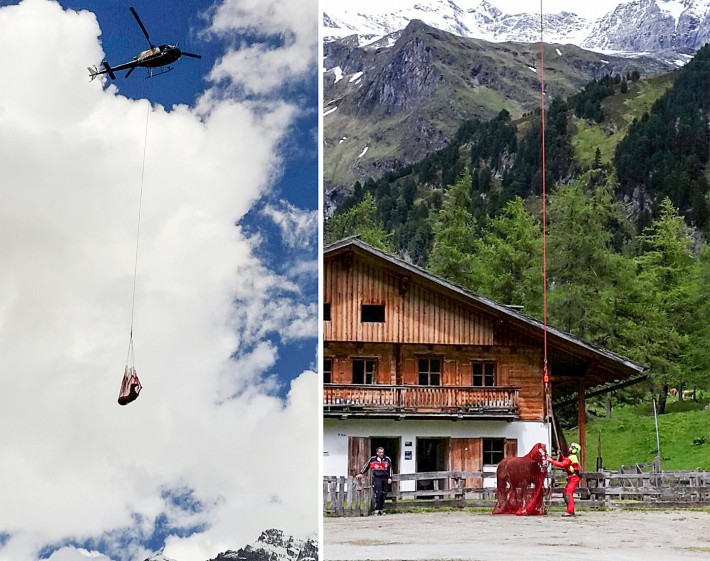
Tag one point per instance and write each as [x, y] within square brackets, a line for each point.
[521, 483]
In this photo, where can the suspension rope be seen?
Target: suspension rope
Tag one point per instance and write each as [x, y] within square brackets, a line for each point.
[130, 359]
[544, 195]
[546, 373]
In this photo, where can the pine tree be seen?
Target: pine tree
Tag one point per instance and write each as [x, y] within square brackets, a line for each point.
[597, 159]
[454, 233]
[666, 266]
[360, 220]
[508, 258]
[582, 265]
[697, 359]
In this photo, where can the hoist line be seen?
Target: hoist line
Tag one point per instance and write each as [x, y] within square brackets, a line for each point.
[544, 196]
[130, 359]
[546, 374]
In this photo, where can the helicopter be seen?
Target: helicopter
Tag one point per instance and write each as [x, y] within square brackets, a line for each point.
[161, 56]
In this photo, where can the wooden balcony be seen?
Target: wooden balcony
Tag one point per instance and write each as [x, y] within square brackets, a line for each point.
[454, 402]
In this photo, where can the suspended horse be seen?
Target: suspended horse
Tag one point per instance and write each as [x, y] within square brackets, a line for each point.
[131, 385]
[521, 483]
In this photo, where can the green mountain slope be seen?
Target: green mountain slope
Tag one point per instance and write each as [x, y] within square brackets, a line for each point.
[620, 110]
[403, 100]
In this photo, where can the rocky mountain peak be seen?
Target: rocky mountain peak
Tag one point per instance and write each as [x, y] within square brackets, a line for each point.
[409, 72]
[636, 26]
[652, 25]
[272, 545]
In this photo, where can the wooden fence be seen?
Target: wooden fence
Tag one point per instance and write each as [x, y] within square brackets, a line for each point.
[348, 496]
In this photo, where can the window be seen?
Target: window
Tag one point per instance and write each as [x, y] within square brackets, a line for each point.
[364, 371]
[429, 371]
[372, 313]
[484, 374]
[327, 370]
[326, 311]
[493, 450]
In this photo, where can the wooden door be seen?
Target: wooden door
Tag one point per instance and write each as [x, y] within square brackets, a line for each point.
[466, 454]
[511, 447]
[358, 453]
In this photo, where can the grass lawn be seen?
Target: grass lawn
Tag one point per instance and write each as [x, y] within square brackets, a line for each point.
[629, 436]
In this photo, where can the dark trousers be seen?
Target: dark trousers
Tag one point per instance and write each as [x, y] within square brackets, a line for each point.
[379, 486]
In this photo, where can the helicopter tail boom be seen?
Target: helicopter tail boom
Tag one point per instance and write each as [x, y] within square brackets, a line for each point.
[109, 70]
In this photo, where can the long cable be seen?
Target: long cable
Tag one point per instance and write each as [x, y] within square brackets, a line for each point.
[544, 194]
[130, 359]
[546, 374]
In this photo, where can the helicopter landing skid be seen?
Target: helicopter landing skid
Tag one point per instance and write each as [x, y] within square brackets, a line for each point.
[163, 70]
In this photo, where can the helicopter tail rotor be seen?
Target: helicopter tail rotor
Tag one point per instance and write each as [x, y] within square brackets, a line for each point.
[93, 72]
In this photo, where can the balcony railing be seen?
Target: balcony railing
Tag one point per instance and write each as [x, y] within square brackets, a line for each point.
[458, 401]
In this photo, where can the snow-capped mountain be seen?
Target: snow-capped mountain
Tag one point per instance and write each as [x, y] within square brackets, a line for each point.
[468, 18]
[649, 25]
[636, 26]
[272, 545]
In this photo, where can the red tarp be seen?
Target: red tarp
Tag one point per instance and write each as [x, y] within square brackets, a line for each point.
[130, 387]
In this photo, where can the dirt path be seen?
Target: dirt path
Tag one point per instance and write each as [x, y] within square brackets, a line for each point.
[592, 536]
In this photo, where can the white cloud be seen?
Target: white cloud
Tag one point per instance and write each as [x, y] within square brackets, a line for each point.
[76, 554]
[75, 466]
[287, 50]
[299, 227]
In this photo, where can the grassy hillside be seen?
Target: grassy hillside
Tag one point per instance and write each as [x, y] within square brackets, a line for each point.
[408, 99]
[629, 436]
[620, 110]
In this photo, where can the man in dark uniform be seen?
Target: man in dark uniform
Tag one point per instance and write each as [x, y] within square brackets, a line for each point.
[380, 467]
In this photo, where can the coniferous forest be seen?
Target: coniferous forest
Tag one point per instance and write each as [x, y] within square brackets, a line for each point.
[628, 259]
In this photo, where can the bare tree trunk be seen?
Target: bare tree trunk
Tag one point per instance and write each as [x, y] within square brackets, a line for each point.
[608, 405]
[680, 391]
[662, 398]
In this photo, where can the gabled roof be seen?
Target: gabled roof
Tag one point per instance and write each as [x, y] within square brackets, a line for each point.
[610, 369]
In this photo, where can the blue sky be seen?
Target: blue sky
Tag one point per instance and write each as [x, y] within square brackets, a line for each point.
[226, 316]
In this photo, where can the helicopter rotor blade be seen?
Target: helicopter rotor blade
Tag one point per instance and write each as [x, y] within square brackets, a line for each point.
[138, 19]
[191, 55]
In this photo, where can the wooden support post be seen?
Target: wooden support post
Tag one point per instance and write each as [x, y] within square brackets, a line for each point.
[582, 423]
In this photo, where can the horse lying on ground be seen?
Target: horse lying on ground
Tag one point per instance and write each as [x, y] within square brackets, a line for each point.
[521, 483]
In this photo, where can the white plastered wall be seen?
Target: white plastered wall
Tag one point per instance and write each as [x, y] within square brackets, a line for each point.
[336, 433]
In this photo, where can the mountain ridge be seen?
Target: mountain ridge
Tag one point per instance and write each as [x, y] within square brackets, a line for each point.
[390, 105]
[272, 545]
[664, 24]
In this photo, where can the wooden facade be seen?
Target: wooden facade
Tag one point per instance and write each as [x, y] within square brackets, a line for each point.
[401, 343]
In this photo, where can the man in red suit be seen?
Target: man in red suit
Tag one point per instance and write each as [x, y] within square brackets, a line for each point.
[571, 465]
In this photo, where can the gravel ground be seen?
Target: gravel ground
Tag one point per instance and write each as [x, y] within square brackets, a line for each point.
[614, 535]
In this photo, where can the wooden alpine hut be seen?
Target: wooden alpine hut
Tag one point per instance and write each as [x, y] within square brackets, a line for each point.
[440, 377]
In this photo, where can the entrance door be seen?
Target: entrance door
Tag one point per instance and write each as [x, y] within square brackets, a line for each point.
[391, 445]
[467, 455]
[360, 448]
[358, 453]
[432, 456]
